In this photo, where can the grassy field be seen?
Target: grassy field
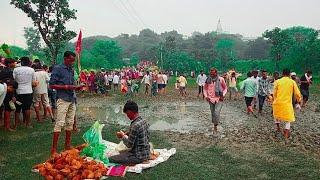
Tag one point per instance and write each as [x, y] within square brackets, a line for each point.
[27, 147]
[22, 149]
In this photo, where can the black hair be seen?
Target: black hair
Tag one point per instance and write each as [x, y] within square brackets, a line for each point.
[69, 53]
[286, 72]
[25, 61]
[37, 66]
[263, 70]
[249, 74]
[309, 72]
[45, 67]
[130, 106]
[8, 61]
[51, 68]
[36, 61]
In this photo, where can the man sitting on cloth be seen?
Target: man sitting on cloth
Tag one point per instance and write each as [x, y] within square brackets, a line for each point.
[137, 139]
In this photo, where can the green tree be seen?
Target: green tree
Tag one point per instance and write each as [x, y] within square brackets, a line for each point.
[257, 49]
[225, 52]
[134, 60]
[32, 37]
[50, 17]
[107, 54]
[278, 39]
[17, 52]
[303, 50]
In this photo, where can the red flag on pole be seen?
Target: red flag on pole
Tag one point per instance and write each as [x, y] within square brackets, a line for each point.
[78, 49]
[78, 44]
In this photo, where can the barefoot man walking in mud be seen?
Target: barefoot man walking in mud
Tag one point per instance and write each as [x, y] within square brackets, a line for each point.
[214, 90]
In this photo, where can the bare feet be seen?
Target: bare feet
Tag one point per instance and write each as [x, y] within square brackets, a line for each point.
[9, 130]
[215, 129]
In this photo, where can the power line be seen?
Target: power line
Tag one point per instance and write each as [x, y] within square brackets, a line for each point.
[129, 12]
[136, 13]
[125, 15]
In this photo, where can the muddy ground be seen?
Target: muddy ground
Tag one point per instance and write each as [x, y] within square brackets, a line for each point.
[187, 122]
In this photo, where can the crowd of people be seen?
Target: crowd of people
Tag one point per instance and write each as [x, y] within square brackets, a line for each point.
[127, 80]
[24, 84]
[284, 93]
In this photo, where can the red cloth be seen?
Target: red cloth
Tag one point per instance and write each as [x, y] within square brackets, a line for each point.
[117, 171]
[83, 77]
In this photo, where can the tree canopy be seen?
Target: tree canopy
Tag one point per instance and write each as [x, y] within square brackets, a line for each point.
[49, 17]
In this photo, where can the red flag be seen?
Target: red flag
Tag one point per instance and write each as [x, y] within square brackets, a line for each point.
[78, 50]
[79, 42]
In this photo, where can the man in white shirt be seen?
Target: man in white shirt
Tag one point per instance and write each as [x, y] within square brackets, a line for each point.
[116, 80]
[24, 76]
[201, 80]
[146, 80]
[40, 93]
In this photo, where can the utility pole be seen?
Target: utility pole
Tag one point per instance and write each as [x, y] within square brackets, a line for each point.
[161, 60]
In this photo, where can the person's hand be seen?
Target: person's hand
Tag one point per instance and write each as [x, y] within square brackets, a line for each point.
[298, 107]
[35, 83]
[14, 99]
[120, 134]
[79, 87]
[221, 98]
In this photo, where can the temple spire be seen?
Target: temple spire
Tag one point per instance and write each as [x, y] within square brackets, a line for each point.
[219, 28]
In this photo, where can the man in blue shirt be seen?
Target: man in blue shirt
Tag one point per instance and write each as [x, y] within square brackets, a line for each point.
[62, 80]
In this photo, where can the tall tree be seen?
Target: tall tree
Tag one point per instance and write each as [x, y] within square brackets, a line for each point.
[225, 52]
[107, 54]
[50, 17]
[278, 39]
[32, 36]
[303, 47]
[257, 49]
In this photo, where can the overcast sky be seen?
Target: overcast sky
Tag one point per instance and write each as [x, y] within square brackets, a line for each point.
[113, 17]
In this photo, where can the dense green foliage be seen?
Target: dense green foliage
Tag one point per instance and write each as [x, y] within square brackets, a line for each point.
[32, 36]
[297, 48]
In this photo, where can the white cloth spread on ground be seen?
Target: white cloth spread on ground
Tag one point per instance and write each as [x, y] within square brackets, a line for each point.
[163, 156]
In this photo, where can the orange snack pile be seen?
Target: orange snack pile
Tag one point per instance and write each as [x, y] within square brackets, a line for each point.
[70, 165]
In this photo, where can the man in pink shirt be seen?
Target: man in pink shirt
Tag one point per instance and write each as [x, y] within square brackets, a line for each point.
[214, 90]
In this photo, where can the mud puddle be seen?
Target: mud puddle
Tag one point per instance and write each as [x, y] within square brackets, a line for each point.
[177, 117]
